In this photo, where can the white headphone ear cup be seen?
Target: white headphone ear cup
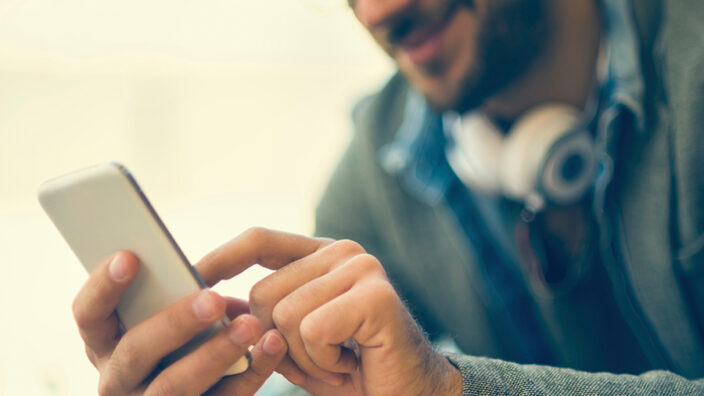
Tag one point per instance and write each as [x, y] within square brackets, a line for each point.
[569, 169]
[529, 141]
[475, 157]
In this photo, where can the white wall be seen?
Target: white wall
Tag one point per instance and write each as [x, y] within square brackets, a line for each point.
[229, 113]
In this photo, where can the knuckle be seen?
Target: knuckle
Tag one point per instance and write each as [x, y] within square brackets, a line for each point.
[368, 264]
[256, 235]
[383, 291]
[283, 317]
[125, 355]
[90, 300]
[80, 313]
[348, 246]
[311, 331]
[108, 386]
[259, 295]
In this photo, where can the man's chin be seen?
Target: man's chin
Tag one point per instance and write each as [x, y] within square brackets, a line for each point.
[442, 100]
[440, 95]
[437, 92]
[445, 92]
[439, 103]
[443, 88]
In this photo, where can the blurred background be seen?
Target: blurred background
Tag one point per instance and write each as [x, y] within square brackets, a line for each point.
[230, 114]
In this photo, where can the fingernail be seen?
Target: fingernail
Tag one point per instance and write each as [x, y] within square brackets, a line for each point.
[272, 345]
[118, 268]
[240, 333]
[204, 305]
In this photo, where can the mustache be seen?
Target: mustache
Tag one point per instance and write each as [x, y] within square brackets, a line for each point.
[414, 19]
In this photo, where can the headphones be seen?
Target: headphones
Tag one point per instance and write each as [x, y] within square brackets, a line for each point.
[547, 157]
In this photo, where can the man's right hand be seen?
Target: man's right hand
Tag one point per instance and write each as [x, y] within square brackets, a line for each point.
[128, 361]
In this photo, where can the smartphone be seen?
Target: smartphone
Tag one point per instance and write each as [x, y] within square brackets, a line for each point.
[100, 210]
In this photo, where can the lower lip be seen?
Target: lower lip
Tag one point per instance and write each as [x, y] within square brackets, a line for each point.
[429, 48]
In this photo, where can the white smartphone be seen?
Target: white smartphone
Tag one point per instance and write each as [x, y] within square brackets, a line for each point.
[100, 210]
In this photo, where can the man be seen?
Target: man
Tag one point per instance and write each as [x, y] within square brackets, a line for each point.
[540, 290]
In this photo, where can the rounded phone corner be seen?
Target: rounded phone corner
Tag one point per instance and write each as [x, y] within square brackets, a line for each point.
[240, 366]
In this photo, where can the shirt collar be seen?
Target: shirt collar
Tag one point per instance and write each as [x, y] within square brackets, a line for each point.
[624, 84]
[417, 153]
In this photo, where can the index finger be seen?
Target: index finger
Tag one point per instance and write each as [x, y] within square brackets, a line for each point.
[270, 249]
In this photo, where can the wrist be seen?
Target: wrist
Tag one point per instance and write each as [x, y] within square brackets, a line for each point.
[452, 379]
[435, 373]
[439, 377]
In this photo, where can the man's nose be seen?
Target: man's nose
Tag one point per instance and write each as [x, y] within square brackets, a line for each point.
[374, 13]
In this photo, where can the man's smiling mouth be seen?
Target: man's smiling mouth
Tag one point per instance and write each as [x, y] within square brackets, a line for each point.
[423, 45]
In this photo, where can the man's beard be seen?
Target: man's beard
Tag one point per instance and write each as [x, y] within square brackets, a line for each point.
[512, 35]
[511, 38]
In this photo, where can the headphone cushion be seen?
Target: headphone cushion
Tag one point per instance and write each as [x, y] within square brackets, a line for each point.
[476, 154]
[568, 170]
[529, 142]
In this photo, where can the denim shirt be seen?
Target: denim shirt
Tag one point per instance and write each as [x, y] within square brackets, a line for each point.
[417, 157]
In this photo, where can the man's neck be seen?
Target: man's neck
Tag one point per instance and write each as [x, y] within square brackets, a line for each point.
[567, 70]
